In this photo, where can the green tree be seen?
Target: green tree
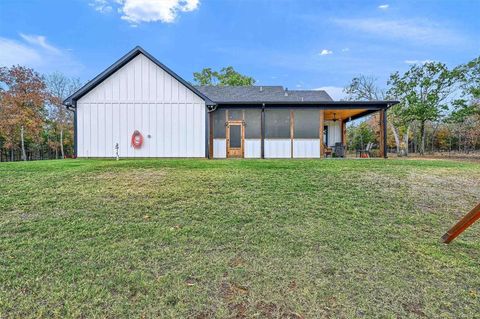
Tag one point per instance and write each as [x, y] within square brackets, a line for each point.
[360, 135]
[466, 112]
[226, 77]
[423, 92]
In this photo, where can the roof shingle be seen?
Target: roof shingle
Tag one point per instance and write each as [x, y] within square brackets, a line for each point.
[261, 94]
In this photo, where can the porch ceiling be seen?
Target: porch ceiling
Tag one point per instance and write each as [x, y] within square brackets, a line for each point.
[342, 114]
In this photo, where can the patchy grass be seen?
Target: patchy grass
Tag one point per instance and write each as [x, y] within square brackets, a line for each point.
[241, 239]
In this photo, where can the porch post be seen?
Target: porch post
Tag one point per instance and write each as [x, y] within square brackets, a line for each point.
[262, 132]
[344, 132]
[383, 133]
[322, 124]
[210, 138]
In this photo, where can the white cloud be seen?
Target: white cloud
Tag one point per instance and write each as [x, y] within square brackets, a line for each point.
[418, 61]
[335, 92]
[345, 49]
[326, 52]
[383, 6]
[13, 52]
[102, 6]
[34, 51]
[419, 31]
[39, 41]
[138, 11]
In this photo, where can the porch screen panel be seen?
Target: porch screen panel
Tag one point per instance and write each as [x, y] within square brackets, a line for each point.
[219, 124]
[307, 124]
[235, 114]
[277, 123]
[253, 128]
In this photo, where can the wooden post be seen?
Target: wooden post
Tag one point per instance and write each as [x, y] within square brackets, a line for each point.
[322, 124]
[462, 224]
[344, 136]
[383, 134]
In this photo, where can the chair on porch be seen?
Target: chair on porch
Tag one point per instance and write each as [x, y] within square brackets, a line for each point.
[327, 150]
[339, 150]
[365, 153]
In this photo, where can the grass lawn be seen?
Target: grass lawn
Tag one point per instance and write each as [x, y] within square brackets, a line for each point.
[238, 238]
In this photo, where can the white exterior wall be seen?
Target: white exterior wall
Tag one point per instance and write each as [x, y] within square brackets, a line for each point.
[278, 148]
[219, 148]
[253, 148]
[141, 96]
[306, 148]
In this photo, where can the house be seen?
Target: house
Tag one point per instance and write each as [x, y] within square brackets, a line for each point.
[138, 107]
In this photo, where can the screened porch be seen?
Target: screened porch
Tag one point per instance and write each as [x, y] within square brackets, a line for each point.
[282, 132]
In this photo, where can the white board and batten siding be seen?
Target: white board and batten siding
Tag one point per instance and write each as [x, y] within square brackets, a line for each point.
[141, 96]
[278, 148]
[253, 148]
[306, 148]
[219, 148]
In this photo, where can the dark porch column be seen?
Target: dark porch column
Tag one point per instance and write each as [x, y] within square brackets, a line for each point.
[383, 133]
[262, 129]
[210, 137]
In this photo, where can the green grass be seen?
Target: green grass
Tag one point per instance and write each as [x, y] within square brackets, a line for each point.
[238, 238]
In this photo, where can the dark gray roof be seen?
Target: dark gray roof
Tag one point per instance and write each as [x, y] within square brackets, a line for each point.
[119, 64]
[261, 94]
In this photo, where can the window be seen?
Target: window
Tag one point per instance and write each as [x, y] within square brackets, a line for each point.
[307, 124]
[219, 123]
[253, 123]
[277, 123]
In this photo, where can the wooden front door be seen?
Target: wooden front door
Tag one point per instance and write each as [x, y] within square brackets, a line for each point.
[235, 139]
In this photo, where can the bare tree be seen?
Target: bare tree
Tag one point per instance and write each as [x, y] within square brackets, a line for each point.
[365, 88]
[61, 87]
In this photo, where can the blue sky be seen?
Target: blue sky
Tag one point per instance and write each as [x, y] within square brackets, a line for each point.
[295, 43]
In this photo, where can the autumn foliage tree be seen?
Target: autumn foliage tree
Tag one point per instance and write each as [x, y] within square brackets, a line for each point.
[23, 97]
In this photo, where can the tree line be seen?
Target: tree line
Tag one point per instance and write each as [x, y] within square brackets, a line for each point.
[439, 109]
[33, 122]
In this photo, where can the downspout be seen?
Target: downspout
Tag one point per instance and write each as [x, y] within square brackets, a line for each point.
[208, 133]
[72, 107]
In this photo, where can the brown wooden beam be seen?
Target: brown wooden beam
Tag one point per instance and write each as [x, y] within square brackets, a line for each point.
[462, 224]
[322, 124]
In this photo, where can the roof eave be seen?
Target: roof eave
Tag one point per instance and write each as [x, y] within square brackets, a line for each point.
[386, 104]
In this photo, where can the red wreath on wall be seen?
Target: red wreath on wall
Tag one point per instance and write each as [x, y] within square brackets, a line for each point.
[137, 139]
